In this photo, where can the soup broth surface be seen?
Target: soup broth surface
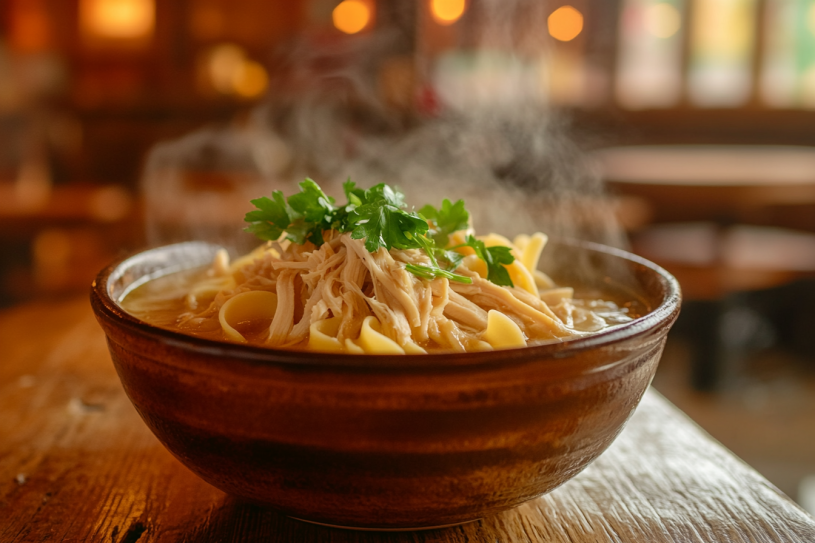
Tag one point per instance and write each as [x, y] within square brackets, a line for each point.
[165, 301]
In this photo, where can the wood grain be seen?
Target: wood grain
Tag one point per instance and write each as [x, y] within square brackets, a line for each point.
[77, 464]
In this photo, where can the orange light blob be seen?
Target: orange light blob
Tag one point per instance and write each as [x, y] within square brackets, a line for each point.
[122, 19]
[223, 64]
[565, 23]
[351, 16]
[227, 69]
[250, 80]
[447, 12]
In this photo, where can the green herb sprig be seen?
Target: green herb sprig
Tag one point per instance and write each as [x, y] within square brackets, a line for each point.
[495, 257]
[378, 216]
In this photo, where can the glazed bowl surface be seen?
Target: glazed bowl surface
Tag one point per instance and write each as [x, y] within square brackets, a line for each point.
[389, 442]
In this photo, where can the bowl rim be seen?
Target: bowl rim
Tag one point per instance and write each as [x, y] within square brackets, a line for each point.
[105, 307]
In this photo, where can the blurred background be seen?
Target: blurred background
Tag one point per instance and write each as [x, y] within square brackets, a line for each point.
[682, 129]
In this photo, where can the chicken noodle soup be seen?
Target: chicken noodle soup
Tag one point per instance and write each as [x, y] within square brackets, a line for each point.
[437, 287]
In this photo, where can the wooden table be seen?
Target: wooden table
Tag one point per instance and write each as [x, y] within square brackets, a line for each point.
[716, 181]
[709, 207]
[77, 464]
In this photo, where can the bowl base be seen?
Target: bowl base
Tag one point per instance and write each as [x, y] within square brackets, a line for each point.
[368, 529]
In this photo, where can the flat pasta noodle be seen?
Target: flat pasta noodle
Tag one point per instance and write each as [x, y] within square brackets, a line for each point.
[248, 306]
[341, 298]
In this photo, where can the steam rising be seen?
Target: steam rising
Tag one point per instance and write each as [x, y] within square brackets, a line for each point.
[514, 162]
[515, 169]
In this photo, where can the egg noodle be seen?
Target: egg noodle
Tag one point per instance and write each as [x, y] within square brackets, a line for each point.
[339, 296]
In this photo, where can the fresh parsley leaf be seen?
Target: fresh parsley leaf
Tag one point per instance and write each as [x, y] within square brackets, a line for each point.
[301, 231]
[495, 257]
[312, 203]
[384, 225]
[264, 231]
[497, 273]
[384, 193]
[315, 212]
[449, 260]
[303, 217]
[272, 217]
[446, 220]
[354, 195]
[380, 220]
[443, 262]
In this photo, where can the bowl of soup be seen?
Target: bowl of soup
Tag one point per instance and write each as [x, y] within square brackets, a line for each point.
[386, 440]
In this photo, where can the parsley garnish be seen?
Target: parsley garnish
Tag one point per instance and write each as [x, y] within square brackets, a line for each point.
[380, 220]
[303, 216]
[494, 257]
[272, 217]
[446, 220]
[377, 215]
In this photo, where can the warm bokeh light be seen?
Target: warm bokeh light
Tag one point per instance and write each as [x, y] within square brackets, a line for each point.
[223, 64]
[447, 12]
[351, 16]
[229, 71]
[121, 19]
[721, 52]
[649, 70]
[250, 80]
[662, 20]
[565, 23]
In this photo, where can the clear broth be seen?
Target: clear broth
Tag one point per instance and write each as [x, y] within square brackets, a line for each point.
[163, 301]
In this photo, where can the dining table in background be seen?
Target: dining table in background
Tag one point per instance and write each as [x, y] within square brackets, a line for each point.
[725, 220]
[725, 183]
[77, 464]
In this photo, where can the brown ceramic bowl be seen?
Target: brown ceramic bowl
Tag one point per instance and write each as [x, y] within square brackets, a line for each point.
[388, 442]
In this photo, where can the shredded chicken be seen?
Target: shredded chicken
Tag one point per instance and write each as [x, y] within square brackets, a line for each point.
[342, 279]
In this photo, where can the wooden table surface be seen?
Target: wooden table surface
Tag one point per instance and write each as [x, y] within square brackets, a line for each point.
[77, 464]
[726, 183]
